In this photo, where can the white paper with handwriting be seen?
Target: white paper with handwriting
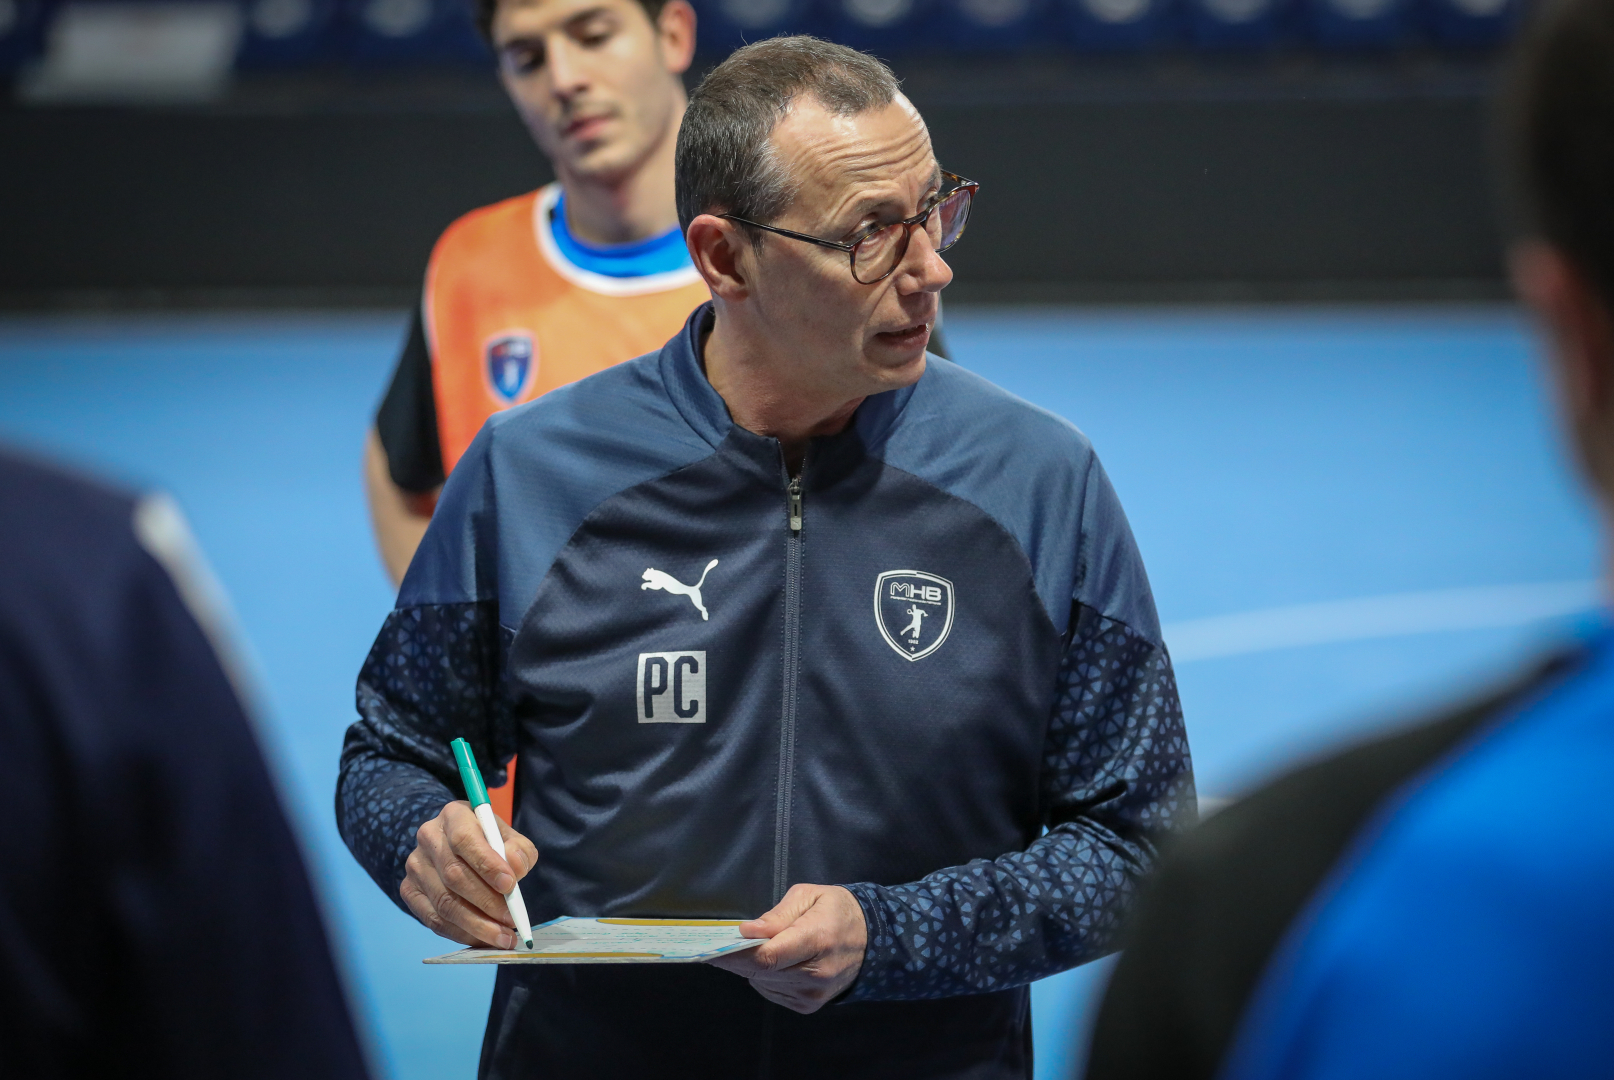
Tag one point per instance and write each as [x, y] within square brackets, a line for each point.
[616, 941]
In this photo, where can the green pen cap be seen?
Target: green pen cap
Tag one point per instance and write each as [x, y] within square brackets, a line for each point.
[475, 789]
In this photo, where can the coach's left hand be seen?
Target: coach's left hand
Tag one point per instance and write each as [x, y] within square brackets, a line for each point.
[815, 948]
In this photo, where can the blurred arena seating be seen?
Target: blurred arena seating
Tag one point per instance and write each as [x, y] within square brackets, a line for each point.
[1154, 150]
[303, 33]
[22, 31]
[288, 33]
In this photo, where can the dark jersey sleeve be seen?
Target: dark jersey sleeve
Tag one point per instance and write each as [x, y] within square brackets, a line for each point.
[155, 913]
[407, 418]
[1209, 919]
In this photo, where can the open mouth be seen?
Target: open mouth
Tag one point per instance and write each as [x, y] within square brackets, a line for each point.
[908, 337]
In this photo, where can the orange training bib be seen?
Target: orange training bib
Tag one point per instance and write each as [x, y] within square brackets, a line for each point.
[509, 318]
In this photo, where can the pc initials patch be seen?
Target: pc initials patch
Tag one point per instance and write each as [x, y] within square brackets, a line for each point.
[672, 688]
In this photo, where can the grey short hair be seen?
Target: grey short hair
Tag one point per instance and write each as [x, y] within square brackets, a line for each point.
[726, 163]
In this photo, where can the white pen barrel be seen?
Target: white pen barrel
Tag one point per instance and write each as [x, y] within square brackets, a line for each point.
[518, 912]
[490, 828]
[512, 899]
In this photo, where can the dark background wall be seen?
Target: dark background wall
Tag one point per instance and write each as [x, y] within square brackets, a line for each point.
[1308, 180]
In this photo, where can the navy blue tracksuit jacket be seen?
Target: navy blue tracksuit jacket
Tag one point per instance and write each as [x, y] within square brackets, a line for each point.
[929, 670]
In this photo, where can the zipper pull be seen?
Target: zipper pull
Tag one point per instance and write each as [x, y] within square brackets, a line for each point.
[794, 491]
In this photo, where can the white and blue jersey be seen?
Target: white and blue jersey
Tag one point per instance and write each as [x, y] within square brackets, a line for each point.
[1466, 932]
[930, 670]
[661, 254]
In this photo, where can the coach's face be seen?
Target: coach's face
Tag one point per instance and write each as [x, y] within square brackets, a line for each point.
[595, 80]
[852, 172]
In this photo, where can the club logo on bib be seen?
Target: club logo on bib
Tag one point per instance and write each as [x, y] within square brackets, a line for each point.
[510, 364]
[914, 611]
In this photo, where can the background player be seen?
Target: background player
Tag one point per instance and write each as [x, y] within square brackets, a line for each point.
[540, 290]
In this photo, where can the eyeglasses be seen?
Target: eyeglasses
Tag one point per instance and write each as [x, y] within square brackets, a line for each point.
[879, 250]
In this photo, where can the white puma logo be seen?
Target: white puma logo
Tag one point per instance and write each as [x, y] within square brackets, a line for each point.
[917, 614]
[655, 579]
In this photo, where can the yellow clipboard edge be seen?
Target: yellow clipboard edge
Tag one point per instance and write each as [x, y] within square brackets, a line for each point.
[671, 922]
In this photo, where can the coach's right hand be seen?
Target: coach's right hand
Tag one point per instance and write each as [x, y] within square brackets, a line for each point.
[456, 884]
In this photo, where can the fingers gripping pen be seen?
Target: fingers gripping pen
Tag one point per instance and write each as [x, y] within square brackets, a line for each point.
[477, 793]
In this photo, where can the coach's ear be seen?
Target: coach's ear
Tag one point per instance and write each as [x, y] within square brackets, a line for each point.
[721, 252]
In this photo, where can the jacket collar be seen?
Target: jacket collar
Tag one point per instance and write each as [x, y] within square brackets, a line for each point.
[685, 378]
[704, 410]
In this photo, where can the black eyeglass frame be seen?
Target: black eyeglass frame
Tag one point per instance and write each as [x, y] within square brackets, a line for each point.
[850, 247]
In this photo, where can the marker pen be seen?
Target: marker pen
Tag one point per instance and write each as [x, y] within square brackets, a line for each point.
[477, 792]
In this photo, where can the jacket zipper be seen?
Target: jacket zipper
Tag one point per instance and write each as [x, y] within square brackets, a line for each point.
[792, 669]
[794, 494]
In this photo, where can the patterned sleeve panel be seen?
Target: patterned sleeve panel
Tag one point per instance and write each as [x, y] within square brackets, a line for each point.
[1116, 775]
[435, 674]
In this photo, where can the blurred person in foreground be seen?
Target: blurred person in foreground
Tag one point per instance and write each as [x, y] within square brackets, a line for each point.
[155, 915]
[789, 623]
[1438, 903]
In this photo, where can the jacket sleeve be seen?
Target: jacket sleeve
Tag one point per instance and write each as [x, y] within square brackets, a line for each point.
[434, 674]
[1116, 776]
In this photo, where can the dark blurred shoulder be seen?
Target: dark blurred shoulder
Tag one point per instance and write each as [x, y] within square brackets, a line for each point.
[65, 539]
[1209, 918]
[36, 495]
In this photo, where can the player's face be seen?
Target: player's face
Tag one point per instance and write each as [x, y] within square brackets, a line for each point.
[853, 171]
[595, 80]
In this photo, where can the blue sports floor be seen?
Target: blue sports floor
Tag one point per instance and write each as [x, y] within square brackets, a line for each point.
[1345, 514]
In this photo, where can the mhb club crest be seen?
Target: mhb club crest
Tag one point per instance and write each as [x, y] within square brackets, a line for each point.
[914, 611]
[509, 364]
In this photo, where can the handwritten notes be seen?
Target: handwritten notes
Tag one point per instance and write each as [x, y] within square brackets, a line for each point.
[616, 941]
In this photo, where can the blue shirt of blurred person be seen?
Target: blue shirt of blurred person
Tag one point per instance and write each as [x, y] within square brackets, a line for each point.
[1433, 903]
[1470, 930]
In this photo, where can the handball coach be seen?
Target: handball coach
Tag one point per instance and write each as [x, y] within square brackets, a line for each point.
[786, 617]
